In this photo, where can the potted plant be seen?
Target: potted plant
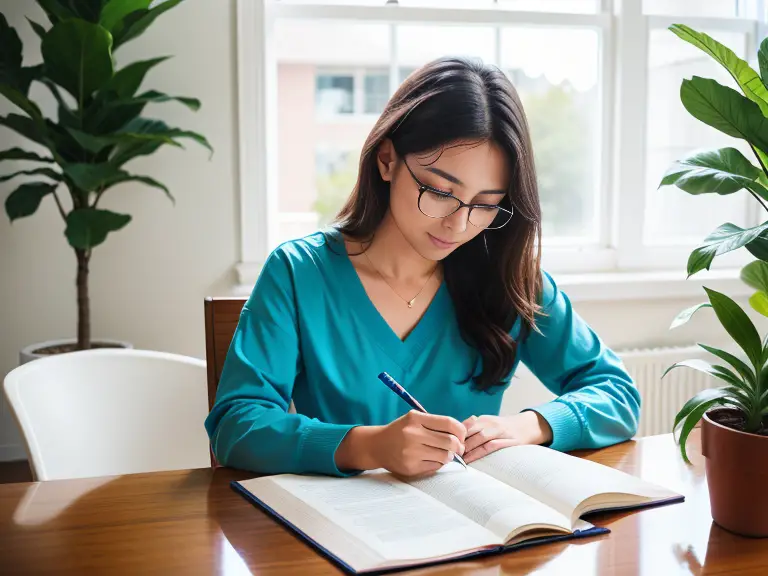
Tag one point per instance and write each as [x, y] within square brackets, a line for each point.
[80, 154]
[734, 417]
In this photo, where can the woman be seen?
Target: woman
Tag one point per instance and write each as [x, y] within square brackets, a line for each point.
[432, 275]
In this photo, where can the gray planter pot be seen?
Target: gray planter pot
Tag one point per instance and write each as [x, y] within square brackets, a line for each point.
[30, 352]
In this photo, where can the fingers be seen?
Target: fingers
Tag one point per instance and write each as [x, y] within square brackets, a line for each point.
[482, 436]
[444, 424]
[488, 447]
[442, 441]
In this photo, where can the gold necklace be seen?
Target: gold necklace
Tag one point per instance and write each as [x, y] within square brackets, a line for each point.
[412, 300]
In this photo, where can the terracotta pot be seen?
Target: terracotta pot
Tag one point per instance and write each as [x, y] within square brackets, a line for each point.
[737, 475]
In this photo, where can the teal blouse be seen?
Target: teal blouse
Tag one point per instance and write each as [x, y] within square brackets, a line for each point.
[309, 333]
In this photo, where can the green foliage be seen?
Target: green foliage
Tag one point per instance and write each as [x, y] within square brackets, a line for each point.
[98, 127]
[726, 171]
[747, 382]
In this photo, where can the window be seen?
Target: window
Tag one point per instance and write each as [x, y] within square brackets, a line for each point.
[334, 94]
[673, 217]
[319, 72]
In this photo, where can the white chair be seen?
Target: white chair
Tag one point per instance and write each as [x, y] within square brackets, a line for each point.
[104, 412]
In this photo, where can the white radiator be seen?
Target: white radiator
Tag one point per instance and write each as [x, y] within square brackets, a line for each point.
[662, 399]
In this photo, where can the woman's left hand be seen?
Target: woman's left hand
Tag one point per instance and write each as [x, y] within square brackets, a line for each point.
[486, 434]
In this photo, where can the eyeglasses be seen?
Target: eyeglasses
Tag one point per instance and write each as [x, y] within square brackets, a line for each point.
[438, 204]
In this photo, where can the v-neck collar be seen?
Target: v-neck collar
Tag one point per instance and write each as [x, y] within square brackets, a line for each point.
[404, 352]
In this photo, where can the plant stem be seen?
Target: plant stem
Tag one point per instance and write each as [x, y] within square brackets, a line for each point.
[83, 301]
[758, 199]
[765, 172]
[61, 208]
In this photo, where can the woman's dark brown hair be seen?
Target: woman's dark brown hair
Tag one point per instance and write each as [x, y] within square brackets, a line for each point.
[449, 101]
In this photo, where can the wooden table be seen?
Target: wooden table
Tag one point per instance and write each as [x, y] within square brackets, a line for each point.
[192, 522]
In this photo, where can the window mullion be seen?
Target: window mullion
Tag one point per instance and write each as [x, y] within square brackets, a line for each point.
[394, 75]
[631, 72]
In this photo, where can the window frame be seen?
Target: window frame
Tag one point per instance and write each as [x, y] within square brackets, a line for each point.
[623, 32]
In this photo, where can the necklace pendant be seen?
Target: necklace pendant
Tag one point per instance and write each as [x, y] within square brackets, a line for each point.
[410, 303]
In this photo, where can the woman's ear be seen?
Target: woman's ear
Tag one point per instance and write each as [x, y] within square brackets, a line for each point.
[386, 159]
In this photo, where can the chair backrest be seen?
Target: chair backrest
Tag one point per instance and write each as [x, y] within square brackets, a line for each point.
[104, 412]
[221, 318]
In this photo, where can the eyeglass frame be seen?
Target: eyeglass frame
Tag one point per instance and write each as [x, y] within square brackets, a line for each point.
[424, 187]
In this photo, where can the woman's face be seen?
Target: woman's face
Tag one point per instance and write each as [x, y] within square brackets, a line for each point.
[473, 173]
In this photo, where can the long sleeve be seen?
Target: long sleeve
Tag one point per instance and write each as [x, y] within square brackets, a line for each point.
[249, 426]
[597, 403]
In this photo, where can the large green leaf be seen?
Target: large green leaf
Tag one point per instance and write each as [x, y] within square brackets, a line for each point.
[56, 10]
[741, 367]
[39, 29]
[747, 79]
[88, 227]
[129, 149]
[91, 177]
[692, 419]
[116, 10]
[10, 55]
[755, 274]
[77, 55]
[144, 127]
[737, 324]
[25, 200]
[67, 116]
[762, 60]
[759, 247]
[136, 23]
[723, 171]
[684, 316]
[20, 154]
[724, 239]
[703, 366]
[158, 97]
[725, 109]
[706, 395]
[759, 302]
[19, 99]
[89, 10]
[93, 144]
[50, 173]
[115, 115]
[127, 80]
[24, 126]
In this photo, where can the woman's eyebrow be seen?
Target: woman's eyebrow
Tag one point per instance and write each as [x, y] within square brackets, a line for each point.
[455, 180]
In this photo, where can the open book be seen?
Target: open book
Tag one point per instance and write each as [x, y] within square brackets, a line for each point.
[511, 498]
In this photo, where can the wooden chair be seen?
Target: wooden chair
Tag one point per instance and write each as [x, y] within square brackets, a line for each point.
[221, 317]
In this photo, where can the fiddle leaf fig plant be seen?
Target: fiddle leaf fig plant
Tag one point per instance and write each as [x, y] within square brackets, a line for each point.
[742, 115]
[80, 153]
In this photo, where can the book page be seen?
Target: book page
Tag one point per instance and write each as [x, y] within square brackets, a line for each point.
[396, 520]
[502, 509]
[566, 482]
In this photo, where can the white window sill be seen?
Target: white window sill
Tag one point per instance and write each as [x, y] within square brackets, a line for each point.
[649, 285]
[602, 286]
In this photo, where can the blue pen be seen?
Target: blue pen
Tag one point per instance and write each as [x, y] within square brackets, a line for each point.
[392, 384]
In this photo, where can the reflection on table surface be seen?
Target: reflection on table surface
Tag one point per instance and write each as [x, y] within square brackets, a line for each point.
[192, 522]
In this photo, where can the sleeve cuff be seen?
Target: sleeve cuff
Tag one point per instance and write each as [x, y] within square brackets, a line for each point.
[565, 423]
[318, 448]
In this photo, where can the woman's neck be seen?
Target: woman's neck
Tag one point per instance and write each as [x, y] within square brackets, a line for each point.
[394, 257]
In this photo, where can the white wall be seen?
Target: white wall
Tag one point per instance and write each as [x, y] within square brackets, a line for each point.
[148, 281]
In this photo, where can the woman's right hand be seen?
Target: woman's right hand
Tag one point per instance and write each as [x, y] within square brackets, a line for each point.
[413, 445]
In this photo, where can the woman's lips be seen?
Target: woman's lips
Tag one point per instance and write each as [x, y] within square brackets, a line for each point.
[441, 243]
